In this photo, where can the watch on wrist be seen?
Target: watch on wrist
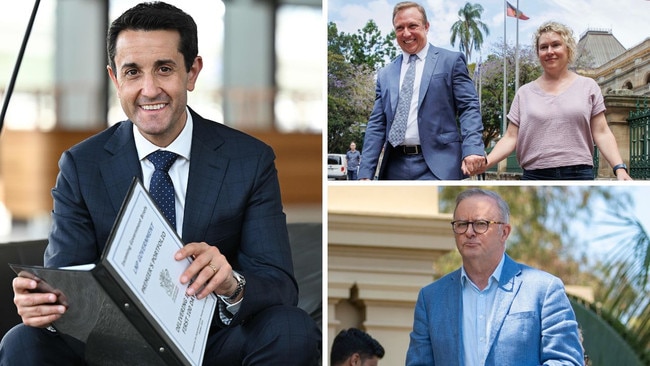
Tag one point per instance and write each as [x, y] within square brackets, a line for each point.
[619, 166]
[241, 282]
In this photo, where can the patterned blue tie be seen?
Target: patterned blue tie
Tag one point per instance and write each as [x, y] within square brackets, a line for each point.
[398, 128]
[161, 187]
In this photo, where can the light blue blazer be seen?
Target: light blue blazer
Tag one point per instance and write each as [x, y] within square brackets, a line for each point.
[533, 322]
[446, 92]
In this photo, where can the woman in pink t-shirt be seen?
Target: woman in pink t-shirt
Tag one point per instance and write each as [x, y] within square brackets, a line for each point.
[556, 119]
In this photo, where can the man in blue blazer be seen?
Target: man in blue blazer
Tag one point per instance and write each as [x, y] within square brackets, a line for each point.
[227, 201]
[433, 145]
[492, 311]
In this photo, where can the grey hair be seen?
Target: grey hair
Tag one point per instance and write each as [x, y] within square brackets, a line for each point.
[504, 209]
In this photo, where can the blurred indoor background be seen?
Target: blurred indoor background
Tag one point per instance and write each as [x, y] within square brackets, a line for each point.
[263, 74]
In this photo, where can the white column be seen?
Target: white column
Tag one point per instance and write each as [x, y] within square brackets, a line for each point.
[249, 64]
[80, 64]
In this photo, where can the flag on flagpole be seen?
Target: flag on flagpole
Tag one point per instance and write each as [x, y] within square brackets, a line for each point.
[512, 12]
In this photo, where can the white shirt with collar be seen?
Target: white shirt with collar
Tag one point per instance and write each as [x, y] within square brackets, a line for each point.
[412, 136]
[179, 171]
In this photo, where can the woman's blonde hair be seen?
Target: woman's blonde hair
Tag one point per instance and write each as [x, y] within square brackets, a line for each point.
[565, 32]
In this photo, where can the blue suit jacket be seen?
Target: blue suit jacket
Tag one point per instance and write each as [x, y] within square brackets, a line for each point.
[233, 202]
[446, 91]
[532, 322]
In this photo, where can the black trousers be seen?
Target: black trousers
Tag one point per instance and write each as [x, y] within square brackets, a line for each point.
[279, 335]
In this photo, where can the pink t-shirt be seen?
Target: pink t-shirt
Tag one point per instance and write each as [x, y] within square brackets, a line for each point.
[555, 130]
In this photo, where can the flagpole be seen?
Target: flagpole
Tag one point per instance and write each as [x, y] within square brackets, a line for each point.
[480, 81]
[505, 90]
[517, 52]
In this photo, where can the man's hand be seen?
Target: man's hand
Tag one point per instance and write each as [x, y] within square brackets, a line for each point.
[210, 270]
[37, 309]
[473, 164]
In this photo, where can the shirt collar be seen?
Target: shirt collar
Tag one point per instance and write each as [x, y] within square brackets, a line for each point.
[181, 145]
[494, 277]
[421, 55]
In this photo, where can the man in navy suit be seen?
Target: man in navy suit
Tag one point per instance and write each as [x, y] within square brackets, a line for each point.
[227, 201]
[434, 144]
[492, 311]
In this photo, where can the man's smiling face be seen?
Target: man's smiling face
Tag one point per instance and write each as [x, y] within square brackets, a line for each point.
[410, 29]
[152, 82]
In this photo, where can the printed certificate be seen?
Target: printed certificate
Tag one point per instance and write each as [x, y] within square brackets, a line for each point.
[141, 252]
[131, 304]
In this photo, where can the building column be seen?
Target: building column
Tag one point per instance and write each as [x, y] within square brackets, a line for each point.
[80, 64]
[249, 64]
[618, 111]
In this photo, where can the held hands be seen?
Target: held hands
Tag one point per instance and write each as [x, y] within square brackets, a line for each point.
[37, 309]
[210, 270]
[474, 164]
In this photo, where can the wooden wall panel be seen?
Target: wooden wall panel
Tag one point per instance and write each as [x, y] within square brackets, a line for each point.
[29, 165]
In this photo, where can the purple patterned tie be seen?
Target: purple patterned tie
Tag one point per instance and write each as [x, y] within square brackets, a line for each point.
[398, 128]
[161, 187]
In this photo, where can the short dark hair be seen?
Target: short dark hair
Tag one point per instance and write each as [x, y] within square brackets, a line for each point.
[351, 341]
[150, 16]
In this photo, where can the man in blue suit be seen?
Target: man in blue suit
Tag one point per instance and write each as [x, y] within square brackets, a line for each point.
[492, 311]
[226, 198]
[422, 139]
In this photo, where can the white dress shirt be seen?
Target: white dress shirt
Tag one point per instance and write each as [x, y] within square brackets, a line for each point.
[412, 136]
[179, 173]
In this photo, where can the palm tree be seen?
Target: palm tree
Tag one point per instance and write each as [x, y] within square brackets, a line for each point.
[627, 273]
[468, 29]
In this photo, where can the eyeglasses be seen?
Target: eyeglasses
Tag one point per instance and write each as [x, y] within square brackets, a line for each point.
[479, 226]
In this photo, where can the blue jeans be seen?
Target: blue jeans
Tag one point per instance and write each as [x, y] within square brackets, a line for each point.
[573, 172]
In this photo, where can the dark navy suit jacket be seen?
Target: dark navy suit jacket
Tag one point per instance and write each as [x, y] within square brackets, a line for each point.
[446, 91]
[233, 202]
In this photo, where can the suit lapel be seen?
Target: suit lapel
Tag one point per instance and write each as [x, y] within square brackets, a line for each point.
[455, 325]
[427, 72]
[124, 159]
[509, 285]
[207, 171]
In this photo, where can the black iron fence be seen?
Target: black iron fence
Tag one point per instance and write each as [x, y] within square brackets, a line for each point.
[639, 122]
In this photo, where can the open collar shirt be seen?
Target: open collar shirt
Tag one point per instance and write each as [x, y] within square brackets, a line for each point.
[477, 306]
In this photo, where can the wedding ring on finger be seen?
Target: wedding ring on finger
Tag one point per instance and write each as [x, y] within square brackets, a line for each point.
[213, 267]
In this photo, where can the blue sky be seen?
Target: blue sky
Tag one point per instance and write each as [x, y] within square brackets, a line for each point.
[626, 18]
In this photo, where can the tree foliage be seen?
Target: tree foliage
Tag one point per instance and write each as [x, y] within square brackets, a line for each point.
[469, 29]
[352, 60]
[626, 273]
[491, 85]
[366, 47]
[349, 102]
